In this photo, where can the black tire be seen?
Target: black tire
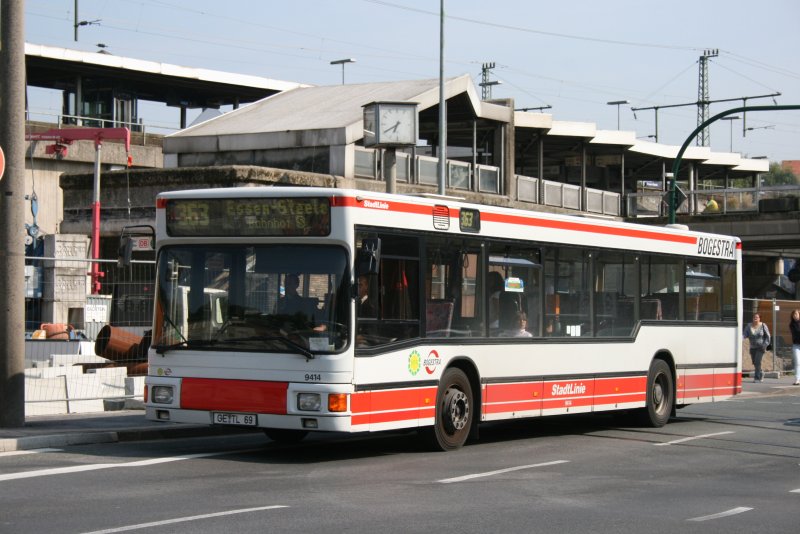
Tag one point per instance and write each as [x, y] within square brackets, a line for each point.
[660, 396]
[454, 411]
[285, 435]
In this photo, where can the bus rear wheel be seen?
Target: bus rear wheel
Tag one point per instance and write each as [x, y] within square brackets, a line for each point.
[660, 395]
[285, 435]
[454, 411]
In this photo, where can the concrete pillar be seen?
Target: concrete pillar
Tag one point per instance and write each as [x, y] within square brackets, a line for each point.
[343, 160]
[540, 169]
[583, 177]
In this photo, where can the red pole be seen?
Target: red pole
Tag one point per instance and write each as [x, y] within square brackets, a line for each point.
[95, 273]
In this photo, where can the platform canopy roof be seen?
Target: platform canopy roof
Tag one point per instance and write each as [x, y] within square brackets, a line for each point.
[52, 67]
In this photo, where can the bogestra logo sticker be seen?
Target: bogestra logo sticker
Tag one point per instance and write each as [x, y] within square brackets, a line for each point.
[414, 363]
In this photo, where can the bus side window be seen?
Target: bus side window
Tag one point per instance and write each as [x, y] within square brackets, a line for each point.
[393, 293]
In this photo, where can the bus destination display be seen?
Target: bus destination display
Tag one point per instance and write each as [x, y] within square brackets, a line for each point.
[248, 217]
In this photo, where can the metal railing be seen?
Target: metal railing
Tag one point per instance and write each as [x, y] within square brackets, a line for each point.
[100, 122]
[726, 201]
[464, 176]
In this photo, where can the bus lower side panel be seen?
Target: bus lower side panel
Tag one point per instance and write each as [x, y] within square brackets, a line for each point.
[409, 407]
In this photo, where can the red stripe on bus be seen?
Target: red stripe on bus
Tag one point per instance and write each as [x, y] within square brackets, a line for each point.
[488, 216]
[698, 381]
[514, 392]
[585, 227]
[381, 205]
[392, 417]
[392, 405]
[527, 396]
[569, 389]
[549, 404]
[411, 416]
[619, 399]
[510, 407]
[234, 395]
[620, 386]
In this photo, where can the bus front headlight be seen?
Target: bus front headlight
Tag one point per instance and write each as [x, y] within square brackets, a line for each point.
[309, 402]
[162, 394]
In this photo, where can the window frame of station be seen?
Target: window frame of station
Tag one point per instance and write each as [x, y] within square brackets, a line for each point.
[489, 245]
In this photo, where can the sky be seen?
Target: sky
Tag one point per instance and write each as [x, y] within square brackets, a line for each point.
[575, 56]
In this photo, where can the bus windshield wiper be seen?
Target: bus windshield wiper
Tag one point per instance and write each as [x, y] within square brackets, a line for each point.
[185, 344]
[288, 342]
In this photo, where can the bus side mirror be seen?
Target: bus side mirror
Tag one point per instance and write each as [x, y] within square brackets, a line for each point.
[369, 256]
[137, 240]
[125, 252]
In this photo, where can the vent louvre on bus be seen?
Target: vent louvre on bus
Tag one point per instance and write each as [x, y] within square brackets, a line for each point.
[441, 217]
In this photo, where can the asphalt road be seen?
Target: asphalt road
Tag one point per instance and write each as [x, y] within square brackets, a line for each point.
[725, 467]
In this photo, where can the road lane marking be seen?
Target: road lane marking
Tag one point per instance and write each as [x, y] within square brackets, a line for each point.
[795, 491]
[732, 511]
[499, 472]
[30, 451]
[684, 440]
[95, 467]
[184, 519]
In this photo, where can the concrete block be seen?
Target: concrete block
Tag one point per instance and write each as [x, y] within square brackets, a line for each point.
[45, 396]
[87, 392]
[67, 246]
[65, 287]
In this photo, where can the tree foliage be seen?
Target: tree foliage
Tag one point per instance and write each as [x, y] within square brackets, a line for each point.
[779, 175]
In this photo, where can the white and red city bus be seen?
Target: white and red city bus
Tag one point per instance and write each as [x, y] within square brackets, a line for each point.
[310, 309]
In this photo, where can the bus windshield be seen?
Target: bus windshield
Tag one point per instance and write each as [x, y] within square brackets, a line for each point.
[270, 298]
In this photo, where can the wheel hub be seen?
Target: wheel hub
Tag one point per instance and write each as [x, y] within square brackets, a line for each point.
[457, 407]
[658, 394]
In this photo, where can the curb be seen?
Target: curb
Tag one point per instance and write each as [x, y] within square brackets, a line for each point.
[55, 440]
[28, 443]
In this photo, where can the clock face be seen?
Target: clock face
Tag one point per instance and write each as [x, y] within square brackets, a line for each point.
[397, 124]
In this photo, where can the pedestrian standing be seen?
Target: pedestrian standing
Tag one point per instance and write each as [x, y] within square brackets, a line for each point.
[794, 326]
[758, 335]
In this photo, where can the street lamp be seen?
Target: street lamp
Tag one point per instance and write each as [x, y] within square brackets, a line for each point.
[730, 120]
[617, 103]
[768, 127]
[342, 62]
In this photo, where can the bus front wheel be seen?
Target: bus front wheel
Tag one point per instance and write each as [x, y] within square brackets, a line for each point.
[660, 395]
[454, 411]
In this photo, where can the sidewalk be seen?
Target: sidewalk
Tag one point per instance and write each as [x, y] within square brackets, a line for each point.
[55, 431]
[130, 425]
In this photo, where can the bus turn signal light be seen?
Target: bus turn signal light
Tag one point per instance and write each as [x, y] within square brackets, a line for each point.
[337, 402]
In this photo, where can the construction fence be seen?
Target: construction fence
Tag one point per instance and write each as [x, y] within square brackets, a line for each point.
[85, 352]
